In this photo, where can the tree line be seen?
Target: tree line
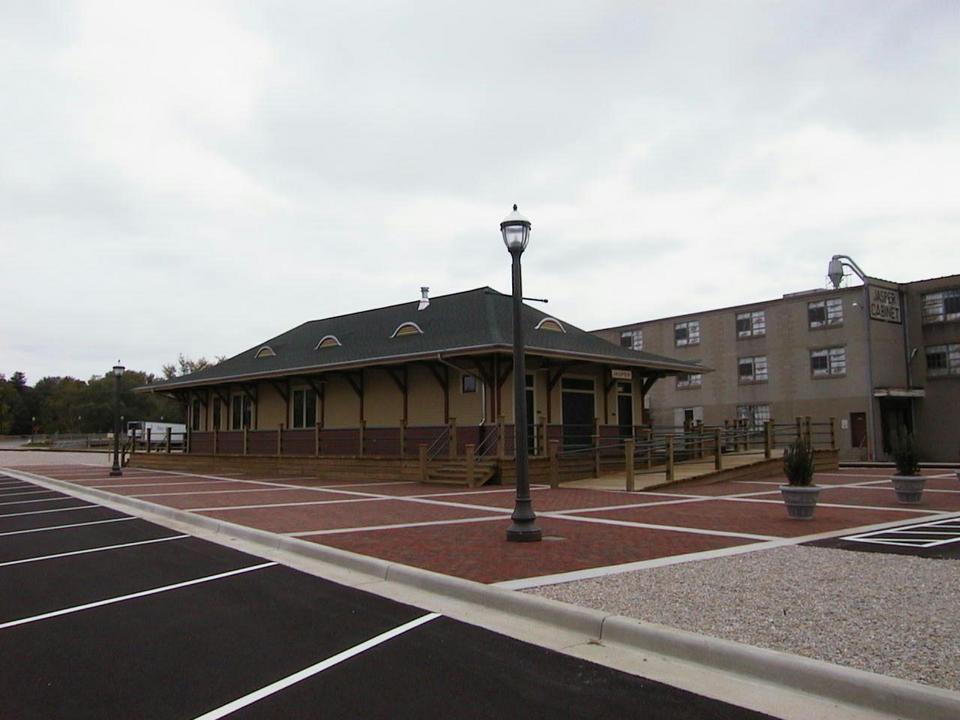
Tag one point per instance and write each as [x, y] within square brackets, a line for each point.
[69, 405]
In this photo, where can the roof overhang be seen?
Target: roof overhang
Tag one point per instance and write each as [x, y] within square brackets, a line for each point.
[654, 366]
[900, 392]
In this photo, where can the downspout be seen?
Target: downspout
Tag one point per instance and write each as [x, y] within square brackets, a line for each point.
[483, 387]
[871, 447]
[907, 355]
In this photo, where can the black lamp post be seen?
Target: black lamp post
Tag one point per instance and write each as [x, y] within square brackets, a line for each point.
[117, 374]
[516, 233]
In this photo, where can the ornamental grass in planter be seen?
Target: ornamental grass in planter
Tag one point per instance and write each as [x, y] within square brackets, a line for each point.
[908, 482]
[799, 494]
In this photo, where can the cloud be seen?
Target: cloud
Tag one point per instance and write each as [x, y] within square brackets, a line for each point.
[195, 177]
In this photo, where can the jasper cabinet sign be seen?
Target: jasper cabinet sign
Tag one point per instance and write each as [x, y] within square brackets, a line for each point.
[884, 304]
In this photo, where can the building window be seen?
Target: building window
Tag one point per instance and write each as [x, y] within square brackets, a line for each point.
[241, 412]
[468, 383]
[265, 351]
[407, 328]
[551, 324]
[693, 380]
[686, 333]
[754, 415]
[751, 324]
[941, 306]
[824, 313]
[752, 369]
[195, 414]
[632, 339]
[304, 408]
[828, 361]
[943, 360]
[327, 341]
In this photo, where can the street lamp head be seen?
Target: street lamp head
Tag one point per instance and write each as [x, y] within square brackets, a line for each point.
[118, 369]
[835, 271]
[516, 231]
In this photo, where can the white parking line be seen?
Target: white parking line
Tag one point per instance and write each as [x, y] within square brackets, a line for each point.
[209, 492]
[43, 512]
[21, 502]
[319, 667]
[650, 526]
[289, 504]
[397, 526]
[132, 596]
[90, 550]
[64, 527]
[25, 492]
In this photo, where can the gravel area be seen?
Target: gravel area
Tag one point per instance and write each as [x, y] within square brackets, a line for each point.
[890, 614]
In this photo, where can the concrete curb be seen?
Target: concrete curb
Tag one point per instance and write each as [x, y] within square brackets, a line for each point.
[871, 691]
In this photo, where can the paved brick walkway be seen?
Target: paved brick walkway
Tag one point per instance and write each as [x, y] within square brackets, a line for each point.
[461, 532]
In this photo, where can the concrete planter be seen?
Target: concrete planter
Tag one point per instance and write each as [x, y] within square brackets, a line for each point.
[909, 488]
[801, 500]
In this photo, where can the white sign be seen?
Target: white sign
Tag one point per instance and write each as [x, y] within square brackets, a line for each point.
[884, 304]
[621, 374]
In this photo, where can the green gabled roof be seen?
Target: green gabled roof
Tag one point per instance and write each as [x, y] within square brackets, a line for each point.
[473, 321]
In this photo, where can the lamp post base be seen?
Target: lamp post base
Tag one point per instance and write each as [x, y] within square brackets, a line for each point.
[523, 527]
[524, 532]
[116, 472]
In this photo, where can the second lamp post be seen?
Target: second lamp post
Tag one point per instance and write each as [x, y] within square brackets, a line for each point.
[117, 374]
[515, 229]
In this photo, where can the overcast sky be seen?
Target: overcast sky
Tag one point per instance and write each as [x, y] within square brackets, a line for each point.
[198, 177]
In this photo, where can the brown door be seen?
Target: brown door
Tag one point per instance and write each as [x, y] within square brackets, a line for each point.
[858, 430]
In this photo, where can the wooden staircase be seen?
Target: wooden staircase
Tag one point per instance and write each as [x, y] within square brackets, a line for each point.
[456, 472]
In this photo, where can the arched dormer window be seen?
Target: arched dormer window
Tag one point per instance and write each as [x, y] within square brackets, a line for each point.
[328, 341]
[551, 324]
[265, 351]
[407, 328]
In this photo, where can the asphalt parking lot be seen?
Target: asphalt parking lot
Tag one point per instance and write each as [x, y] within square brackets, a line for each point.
[106, 615]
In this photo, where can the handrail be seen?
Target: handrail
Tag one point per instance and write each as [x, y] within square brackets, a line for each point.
[436, 447]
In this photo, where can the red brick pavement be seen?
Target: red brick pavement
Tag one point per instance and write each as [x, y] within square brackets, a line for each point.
[881, 496]
[345, 515]
[479, 551]
[755, 518]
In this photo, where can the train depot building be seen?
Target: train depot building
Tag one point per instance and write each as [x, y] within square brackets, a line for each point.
[433, 373]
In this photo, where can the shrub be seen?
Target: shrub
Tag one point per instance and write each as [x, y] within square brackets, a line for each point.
[798, 464]
[905, 455]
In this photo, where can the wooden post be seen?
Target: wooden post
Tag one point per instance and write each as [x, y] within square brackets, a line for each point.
[363, 431]
[403, 437]
[596, 447]
[699, 439]
[833, 433]
[280, 440]
[501, 439]
[807, 431]
[166, 440]
[471, 478]
[422, 457]
[799, 428]
[148, 441]
[452, 445]
[648, 439]
[316, 440]
[187, 444]
[629, 445]
[768, 439]
[246, 440]
[717, 450]
[542, 435]
[746, 435]
[553, 449]
[216, 441]
[669, 473]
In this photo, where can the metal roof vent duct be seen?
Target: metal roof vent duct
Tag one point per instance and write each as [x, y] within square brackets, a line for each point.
[424, 298]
